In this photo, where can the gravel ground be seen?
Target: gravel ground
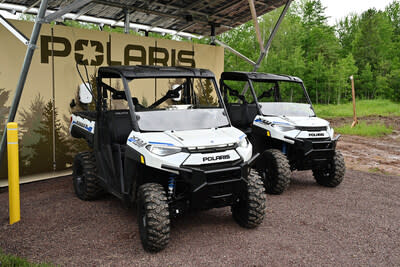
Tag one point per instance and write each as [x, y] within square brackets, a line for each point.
[355, 224]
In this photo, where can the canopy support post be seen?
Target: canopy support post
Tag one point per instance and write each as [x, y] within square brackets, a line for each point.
[127, 21]
[212, 34]
[24, 72]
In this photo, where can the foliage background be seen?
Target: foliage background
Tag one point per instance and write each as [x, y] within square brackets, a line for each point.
[364, 45]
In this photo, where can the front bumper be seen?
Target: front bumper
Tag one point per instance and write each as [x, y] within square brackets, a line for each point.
[214, 185]
[312, 153]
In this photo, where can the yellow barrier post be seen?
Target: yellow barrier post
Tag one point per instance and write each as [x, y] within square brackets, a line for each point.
[13, 172]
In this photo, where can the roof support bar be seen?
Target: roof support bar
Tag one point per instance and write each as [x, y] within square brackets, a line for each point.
[28, 8]
[24, 72]
[264, 52]
[83, 11]
[127, 21]
[71, 7]
[14, 30]
[234, 51]
[256, 26]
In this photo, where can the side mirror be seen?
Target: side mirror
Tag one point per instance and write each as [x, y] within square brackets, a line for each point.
[177, 99]
[85, 96]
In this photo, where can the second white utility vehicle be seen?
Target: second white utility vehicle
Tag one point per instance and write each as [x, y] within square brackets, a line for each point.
[277, 115]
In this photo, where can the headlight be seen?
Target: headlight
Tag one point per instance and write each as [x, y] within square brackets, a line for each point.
[163, 150]
[283, 127]
[244, 142]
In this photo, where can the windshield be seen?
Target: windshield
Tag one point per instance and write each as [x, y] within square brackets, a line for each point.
[181, 120]
[286, 109]
[174, 104]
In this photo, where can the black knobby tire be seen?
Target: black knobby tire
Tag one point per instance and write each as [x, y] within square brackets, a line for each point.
[276, 173]
[86, 183]
[333, 175]
[249, 210]
[153, 217]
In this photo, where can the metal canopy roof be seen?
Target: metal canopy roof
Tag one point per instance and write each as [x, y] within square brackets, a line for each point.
[191, 16]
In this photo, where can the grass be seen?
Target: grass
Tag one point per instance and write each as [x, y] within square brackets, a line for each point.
[13, 261]
[364, 108]
[364, 129]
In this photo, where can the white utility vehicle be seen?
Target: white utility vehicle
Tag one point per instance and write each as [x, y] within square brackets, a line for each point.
[166, 142]
[276, 113]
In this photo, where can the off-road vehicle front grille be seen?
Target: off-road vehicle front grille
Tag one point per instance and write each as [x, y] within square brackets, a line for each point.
[311, 128]
[223, 176]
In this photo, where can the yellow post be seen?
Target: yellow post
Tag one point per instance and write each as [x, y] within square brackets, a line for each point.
[13, 172]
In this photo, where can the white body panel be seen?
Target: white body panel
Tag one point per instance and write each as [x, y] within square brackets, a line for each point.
[281, 126]
[82, 123]
[201, 139]
[193, 139]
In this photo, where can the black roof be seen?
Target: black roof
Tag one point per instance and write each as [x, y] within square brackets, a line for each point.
[178, 15]
[257, 76]
[137, 72]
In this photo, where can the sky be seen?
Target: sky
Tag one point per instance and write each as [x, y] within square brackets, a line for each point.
[337, 9]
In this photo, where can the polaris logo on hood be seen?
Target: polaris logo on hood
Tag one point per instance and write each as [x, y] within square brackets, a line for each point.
[215, 158]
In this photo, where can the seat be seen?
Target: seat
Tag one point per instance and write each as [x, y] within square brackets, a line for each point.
[252, 112]
[119, 125]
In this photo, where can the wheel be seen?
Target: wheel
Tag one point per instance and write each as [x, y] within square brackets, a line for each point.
[276, 174]
[249, 210]
[86, 183]
[153, 217]
[333, 175]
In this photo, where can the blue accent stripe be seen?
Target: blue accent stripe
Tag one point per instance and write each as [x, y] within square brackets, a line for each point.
[86, 127]
[242, 137]
[160, 143]
[257, 120]
[280, 122]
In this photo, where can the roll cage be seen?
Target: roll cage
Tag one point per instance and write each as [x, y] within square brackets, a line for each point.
[129, 73]
[249, 77]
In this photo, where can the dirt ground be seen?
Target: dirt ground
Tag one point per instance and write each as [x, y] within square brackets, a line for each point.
[372, 154]
[355, 224]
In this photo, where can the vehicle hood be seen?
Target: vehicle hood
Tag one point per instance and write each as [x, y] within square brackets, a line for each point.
[299, 121]
[196, 138]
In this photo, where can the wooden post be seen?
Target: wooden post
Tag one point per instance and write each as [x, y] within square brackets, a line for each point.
[353, 92]
[256, 26]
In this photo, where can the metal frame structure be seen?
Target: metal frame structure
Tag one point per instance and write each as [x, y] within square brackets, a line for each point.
[194, 18]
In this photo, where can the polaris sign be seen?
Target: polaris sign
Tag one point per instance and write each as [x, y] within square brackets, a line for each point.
[133, 54]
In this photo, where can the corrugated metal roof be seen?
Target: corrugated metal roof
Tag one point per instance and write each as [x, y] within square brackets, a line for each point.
[192, 16]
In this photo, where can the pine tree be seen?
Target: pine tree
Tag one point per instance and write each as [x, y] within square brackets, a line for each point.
[4, 110]
[42, 159]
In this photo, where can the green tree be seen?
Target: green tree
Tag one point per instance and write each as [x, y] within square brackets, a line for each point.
[344, 69]
[372, 42]
[366, 81]
[346, 31]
